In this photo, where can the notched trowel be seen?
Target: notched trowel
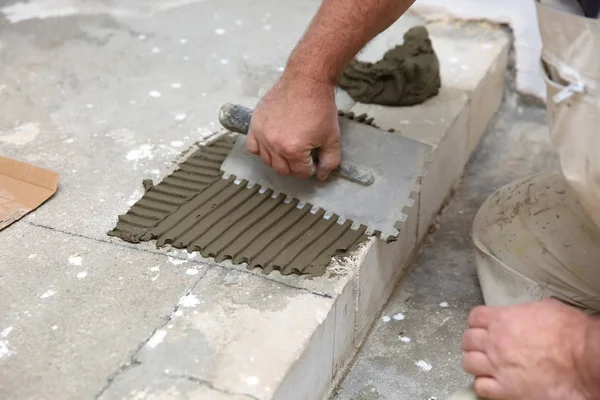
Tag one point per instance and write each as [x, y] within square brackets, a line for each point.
[374, 182]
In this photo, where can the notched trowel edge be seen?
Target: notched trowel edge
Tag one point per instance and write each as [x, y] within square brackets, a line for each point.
[417, 164]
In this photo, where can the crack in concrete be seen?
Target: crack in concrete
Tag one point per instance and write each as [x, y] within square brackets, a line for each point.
[319, 294]
[211, 386]
[133, 360]
[203, 263]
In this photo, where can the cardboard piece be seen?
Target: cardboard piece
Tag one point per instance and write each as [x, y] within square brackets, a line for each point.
[23, 188]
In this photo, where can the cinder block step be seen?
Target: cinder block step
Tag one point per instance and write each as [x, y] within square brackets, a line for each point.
[245, 336]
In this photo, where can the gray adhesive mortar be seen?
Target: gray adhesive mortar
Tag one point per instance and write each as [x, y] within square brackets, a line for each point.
[194, 208]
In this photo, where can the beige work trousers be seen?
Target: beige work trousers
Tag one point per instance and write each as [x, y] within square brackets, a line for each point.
[540, 237]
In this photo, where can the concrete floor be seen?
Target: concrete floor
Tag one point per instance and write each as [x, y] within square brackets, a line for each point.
[413, 351]
[110, 92]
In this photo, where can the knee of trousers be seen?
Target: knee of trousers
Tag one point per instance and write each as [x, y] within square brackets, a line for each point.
[534, 240]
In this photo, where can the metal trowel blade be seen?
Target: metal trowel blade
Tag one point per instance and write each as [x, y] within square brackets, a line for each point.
[396, 163]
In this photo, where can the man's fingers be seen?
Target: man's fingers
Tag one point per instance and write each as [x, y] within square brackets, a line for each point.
[265, 154]
[475, 340]
[302, 164]
[480, 317]
[251, 143]
[477, 363]
[329, 159]
[489, 388]
[280, 165]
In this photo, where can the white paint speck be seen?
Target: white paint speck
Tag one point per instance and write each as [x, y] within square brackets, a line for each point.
[176, 85]
[154, 277]
[252, 380]
[154, 269]
[399, 317]
[453, 60]
[224, 61]
[189, 301]
[89, 106]
[82, 274]
[155, 94]
[144, 152]
[423, 365]
[183, 41]
[21, 134]
[6, 332]
[69, 140]
[191, 271]
[178, 313]
[142, 37]
[156, 50]
[203, 94]
[385, 318]
[487, 46]
[54, 327]
[177, 143]
[219, 31]
[4, 351]
[246, 57]
[464, 67]
[47, 293]
[239, 22]
[156, 339]
[75, 260]
[31, 256]
[176, 261]
[267, 27]
[280, 69]
[135, 196]
[405, 339]
[444, 304]
[180, 117]
[186, 58]
[155, 172]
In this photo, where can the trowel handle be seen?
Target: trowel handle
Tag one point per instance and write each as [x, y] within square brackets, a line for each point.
[235, 117]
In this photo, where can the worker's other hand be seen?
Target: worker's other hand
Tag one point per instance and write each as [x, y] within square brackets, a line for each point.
[528, 352]
[297, 115]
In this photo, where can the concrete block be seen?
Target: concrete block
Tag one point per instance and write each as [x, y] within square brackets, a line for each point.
[73, 311]
[457, 43]
[451, 122]
[441, 122]
[380, 266]
[345, 320]
[246, 336]
[427, 122]
[448, 161]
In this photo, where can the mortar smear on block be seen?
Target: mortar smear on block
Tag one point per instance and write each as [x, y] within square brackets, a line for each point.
[196, 209]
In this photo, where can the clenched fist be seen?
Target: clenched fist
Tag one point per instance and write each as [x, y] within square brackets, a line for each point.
[297, 115]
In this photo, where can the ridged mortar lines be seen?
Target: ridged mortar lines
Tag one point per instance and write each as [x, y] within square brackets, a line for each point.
[197, 209]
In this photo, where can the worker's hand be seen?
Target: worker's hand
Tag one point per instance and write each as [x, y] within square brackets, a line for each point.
[529, 352]
[295, 116]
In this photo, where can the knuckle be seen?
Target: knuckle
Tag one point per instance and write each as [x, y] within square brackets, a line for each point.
[290, 151]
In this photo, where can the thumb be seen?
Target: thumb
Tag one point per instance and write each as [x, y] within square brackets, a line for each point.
[329, 159]
[251, 143]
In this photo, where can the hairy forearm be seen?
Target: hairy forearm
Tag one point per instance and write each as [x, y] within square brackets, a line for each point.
[339, 30]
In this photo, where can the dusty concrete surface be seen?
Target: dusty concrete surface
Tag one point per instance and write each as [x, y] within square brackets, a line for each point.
[108, 93]
[413, 351]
